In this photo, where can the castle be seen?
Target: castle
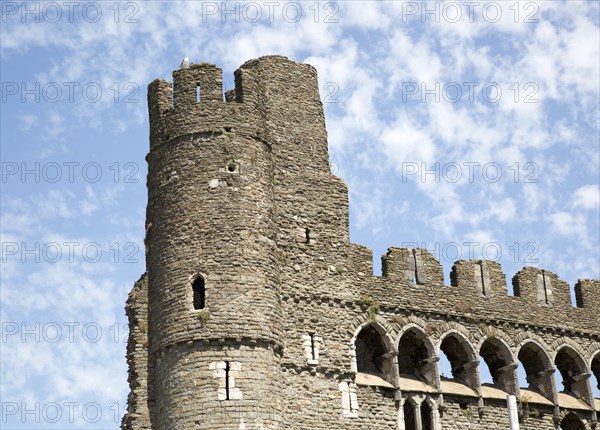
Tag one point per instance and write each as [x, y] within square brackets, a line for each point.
[257, 312]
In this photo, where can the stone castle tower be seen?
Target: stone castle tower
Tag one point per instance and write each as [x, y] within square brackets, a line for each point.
[256, 311]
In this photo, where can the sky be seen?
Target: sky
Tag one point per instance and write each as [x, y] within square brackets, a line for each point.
[469, 129]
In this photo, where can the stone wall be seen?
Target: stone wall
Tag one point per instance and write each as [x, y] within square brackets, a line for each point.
[138, 414]
[296, 331]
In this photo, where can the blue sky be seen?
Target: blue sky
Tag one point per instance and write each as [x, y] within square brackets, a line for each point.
[470, 131]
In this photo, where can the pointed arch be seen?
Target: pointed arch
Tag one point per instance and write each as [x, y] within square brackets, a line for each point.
[410, 414]
[590, 349]
[445, 328]
[595, 367]
[573, 370]
[462, 358]
[416, 354]
[370, 350]
[382, 330]
[412, 320]
[521, 338]
[566, 341]
[435, 415]
[426, 416]
[374, 352]
[378, 323]
[570, 421]
[499, 359]
[462, 341]
[538, 368]
[484, 333]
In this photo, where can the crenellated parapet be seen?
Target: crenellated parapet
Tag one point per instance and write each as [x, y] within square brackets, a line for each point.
[479, 288]
[274, 99]
[587, 293]
[483, 277]
[412, 265]
[542, 287]
[193, 103]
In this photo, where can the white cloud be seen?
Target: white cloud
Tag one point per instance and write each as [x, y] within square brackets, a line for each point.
[567, 224]
[90, 204]
[57, 204]
[28, 121]
[365, 15]
[581, 50]
[422, 65]
[503, 210]
[587, 197]
[57, 127]
[404, 142]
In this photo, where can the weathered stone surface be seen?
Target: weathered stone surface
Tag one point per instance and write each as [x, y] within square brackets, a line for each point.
[240, 194]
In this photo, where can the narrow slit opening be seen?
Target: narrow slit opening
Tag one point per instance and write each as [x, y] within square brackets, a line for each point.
[483, 290]
[227, 380]
[199, 293]
[416, 274]
[545, 287]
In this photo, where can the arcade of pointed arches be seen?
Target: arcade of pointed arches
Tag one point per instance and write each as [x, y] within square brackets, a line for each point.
[412, 359]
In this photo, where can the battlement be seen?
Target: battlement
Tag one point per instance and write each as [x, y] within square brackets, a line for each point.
[479, 287]
[268, 91]
[194, 103]
[198, 83]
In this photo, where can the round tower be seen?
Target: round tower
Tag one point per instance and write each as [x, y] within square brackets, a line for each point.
[214, 316]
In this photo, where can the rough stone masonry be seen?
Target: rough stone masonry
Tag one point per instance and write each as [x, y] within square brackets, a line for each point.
[257, 312]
